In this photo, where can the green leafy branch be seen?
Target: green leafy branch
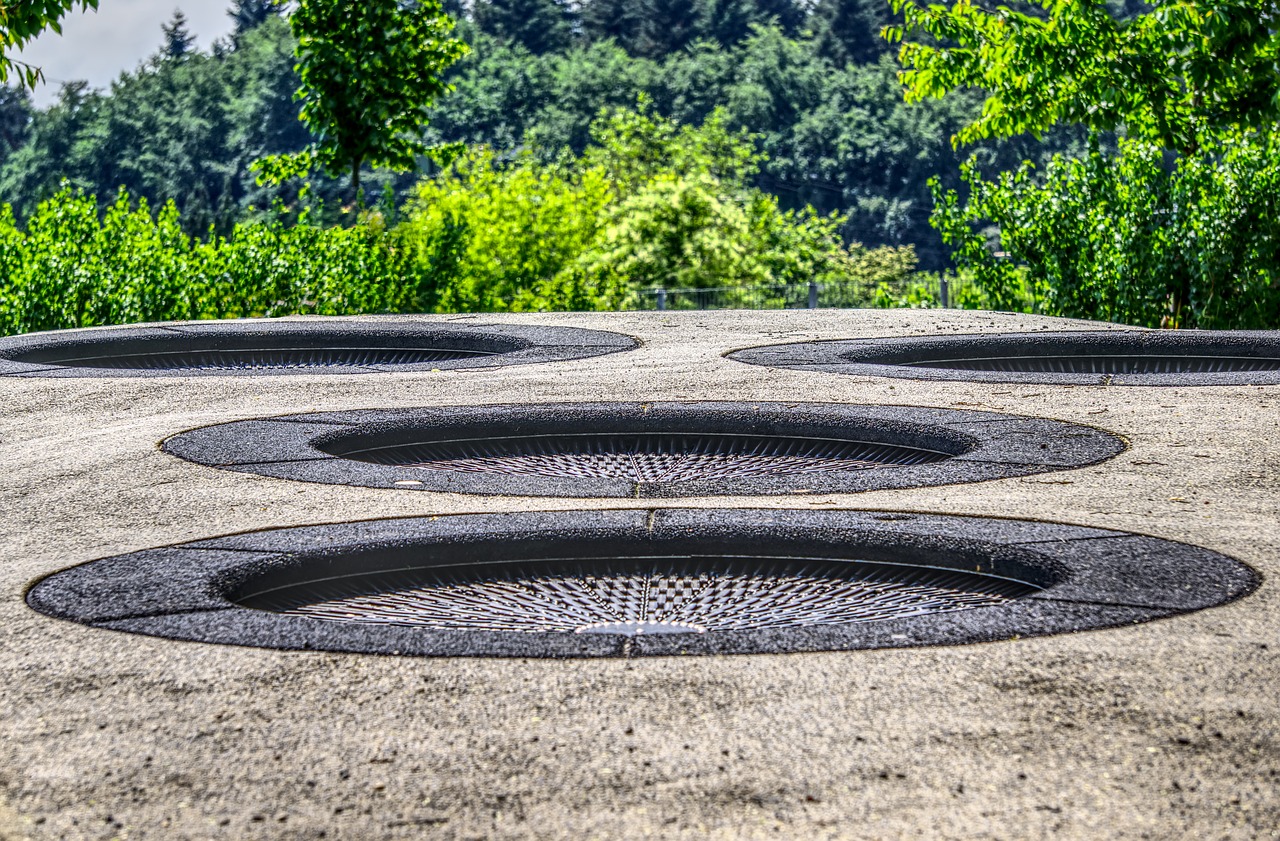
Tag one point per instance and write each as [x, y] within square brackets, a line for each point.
[22, 21]
[1174, 75]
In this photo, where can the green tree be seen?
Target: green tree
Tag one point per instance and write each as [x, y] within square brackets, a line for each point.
[728, 22]
[540, 26]
[501, 88]
[487, 237]
[644, 28]
[1121, 237]
[370, 69]
[53, 151]
[848, 31]
[15, 120]
[619, 20]
[649, 203]
[178, 40]
[1133, 235]
[23, 20]
[248, 15]
[583, 82]
[184, 130]
[1174, 75]
[836, 138]
[263, 115]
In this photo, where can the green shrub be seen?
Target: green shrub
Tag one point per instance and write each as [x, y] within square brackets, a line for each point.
[271, 270]
[1129, 237]
[488, 237]
[650, 204]
[73, 268]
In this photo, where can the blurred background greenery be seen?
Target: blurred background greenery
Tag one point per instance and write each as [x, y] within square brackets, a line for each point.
[592, 154]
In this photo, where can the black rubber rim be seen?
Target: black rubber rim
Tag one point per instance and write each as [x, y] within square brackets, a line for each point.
[1108, 357]
[687, 449]
[310, 347]
[1064, 578]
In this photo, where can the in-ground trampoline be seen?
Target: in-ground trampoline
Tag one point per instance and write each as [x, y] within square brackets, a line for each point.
[313, 346]
[662, 582]
[646, 449]
[1103, 357]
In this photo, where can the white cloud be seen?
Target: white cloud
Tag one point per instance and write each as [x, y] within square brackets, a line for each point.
[98, 46]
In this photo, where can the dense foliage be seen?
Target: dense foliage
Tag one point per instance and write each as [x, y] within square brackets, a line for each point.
[1178, 227]
[184, 129]
[72, 267]
[817, 85]
[648, 203]
[1172, 73]
[1125, 238]
[774, 140]
[839, 138]
[369, 70]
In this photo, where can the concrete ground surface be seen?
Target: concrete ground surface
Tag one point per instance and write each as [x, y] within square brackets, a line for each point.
[1163, 730]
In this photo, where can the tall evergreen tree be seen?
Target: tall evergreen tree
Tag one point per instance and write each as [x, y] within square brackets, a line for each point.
[55, 149]
[787, 15]
[848, 31]
[178, 40]
[185, 130]
[730, 21]
[621, 20]
[15, 120]
[540, 26]
[672, 25]
[248, 15]
[644, 28]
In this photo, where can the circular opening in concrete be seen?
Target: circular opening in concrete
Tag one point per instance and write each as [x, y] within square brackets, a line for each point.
[667, 581]
[645, 449]
[639, 457]
[263, 353]
[1112, 357]
[293, 347]
[615, 594]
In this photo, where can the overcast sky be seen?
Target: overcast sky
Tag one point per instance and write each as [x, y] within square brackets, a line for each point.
[97, 46]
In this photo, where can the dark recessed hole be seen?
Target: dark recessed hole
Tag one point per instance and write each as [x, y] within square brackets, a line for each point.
[1118, 357]
[616, 594]
[165, 357]
[646, 457]
[1029, 361]
[288, 347]
[669, 581]
[646, 449]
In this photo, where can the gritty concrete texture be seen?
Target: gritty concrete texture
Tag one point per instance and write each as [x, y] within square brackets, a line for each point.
[1160, 730]
[961, 446]
[230, 591]
[1111, 357]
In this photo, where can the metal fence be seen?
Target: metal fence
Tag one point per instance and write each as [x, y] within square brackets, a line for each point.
[923, 291]
[765, 297]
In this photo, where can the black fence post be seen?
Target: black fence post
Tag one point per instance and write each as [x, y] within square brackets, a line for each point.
[813, 295]
[944, 292]
[662, 299]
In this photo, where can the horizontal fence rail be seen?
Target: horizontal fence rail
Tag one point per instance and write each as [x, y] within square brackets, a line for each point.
[927, 291]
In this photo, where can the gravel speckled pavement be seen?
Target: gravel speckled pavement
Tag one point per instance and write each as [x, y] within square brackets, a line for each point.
[1162, 730]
